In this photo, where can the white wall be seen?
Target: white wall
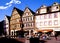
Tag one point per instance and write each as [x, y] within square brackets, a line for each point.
[54, 27]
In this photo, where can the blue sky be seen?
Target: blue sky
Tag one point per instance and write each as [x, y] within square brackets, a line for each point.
[6, 6]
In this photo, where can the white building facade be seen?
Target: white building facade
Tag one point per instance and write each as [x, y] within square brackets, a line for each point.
[28, 19]
[6, 24]
[48, 20]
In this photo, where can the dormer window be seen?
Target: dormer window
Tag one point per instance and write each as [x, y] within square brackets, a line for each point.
[55, 8]
[55, 4]
[43, 9]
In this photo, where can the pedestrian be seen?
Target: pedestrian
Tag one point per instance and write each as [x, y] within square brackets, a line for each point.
[44, 36]
[56, 36]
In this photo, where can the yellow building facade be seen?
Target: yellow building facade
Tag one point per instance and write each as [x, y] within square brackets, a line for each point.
[15, 21]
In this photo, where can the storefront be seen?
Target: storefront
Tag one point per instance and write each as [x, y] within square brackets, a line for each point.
[57, 30]
[47, 31]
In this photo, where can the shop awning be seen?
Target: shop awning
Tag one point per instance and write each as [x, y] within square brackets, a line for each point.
[45, 30]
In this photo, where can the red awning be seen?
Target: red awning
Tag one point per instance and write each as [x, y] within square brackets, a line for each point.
[45, 30]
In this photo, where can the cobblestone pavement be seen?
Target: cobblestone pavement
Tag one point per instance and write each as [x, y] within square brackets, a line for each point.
[52, 40]
[21, 39]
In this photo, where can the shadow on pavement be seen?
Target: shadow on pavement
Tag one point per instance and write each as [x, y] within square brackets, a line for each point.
[42, 41]
[8, 40]
[36, 40]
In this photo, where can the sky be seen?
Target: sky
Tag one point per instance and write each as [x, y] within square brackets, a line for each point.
[6, 6]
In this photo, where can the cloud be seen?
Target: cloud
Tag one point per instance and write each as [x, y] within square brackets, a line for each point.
[9, 2]
[3, 7]
[17, 2]
[13, 1]
[7, 5]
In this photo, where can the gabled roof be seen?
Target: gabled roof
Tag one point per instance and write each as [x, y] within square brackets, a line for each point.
[49, 7]
[44, 6]
[30, 10]
[8, 17]
[18, 10]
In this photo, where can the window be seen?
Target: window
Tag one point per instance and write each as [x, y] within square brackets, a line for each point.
[24, 25]
[7, 25]
[50, 15]
[27, 18]
[32, 18]
[31, 24]
[55, 15]
[45, 17]
[55, 22]
[50, 23]
[41, 23]
[26, 14]
[45, 23]
[41, 17]
[23, 19]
